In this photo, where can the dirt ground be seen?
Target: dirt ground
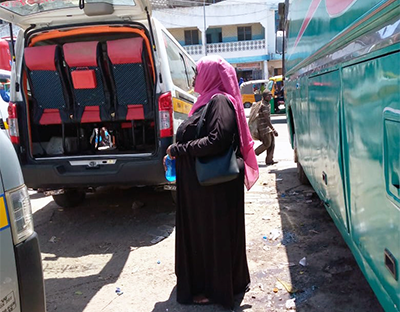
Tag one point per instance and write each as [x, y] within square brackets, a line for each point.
[115, 252]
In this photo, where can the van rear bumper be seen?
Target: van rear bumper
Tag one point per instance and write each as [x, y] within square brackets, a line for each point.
[49, 175]
[30, 275]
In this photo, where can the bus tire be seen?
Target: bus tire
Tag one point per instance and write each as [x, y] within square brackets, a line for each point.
[301, 175]
[70, 198]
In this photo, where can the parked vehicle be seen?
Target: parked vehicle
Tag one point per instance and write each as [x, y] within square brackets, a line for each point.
[21, 275]
[275, 85]
[85, 71]
[251, 91]
[343, 112]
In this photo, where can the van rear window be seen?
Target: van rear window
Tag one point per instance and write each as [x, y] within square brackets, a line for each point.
[27, 7]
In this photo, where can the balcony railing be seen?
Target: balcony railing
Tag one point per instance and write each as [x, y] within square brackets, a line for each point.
[222, 47]
[194, 49]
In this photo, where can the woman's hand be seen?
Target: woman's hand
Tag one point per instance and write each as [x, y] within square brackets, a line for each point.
[275, 133]
[168, 151]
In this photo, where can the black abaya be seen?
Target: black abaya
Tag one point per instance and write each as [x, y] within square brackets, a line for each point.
[210, 229]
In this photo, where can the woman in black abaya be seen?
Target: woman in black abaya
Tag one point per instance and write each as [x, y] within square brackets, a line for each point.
[211, 265]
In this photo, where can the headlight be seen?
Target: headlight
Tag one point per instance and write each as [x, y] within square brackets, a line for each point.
[20, 211]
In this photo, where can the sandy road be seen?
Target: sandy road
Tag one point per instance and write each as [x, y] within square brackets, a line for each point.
[125, 239]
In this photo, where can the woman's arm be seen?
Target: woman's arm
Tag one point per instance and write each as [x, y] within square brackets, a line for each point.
[220, 127]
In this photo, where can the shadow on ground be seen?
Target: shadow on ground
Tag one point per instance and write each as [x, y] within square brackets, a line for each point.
[331, 280]
[171, 305]
[111, 221]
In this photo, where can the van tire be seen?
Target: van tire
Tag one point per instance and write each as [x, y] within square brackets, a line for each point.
[247, 105]
[70, 198]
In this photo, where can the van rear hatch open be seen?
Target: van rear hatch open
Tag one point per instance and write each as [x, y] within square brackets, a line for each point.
[90, 91]
[89, 101]
[50, 13]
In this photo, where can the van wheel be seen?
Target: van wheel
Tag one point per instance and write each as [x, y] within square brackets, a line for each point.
[70, 198]
[301, 175]
[247, 105]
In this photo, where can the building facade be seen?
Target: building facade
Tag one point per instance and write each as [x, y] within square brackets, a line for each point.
[243, 32]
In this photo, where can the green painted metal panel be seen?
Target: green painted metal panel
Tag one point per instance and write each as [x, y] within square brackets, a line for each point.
[343, 107]
[370, 89]
[302, 124]
[315, 23]
[325, 142]
[315, 105]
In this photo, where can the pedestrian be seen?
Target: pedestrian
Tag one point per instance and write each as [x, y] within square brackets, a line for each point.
[211, 264]
[4, 94]
[263, 130]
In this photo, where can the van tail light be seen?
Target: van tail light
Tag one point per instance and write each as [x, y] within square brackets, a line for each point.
[20, 212]
[13, 123]
[165, 109]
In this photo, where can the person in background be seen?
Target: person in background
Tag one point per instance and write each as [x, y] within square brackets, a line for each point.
[262, 88]
[4, 94]
[211, 264]
[278, 97]
[240, 81]
[264, 131]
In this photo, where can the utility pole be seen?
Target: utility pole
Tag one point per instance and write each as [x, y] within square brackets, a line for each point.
[205, 29]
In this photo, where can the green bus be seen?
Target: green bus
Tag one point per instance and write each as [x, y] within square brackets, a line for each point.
[342, 97]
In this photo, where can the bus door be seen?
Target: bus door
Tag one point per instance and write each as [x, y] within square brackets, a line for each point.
[325, 142]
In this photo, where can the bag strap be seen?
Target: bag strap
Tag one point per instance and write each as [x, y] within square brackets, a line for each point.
[203, 117]
[201, 121]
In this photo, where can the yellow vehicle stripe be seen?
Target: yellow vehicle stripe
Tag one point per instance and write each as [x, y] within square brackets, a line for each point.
[181, 106]
[3, 214]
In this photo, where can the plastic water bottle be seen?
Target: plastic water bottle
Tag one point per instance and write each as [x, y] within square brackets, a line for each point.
[170, 174]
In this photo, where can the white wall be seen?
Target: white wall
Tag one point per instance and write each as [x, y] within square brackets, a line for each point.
[223, 13]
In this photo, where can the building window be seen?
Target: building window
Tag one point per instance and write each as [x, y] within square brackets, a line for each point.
[244, 33]
[214, 35]
[191, 37]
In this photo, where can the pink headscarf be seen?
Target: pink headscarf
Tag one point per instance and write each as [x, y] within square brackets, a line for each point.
[217, 76]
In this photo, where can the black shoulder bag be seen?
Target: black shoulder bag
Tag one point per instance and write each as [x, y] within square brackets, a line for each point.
[216, 169]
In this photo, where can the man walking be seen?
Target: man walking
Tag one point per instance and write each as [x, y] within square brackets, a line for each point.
[261, 127]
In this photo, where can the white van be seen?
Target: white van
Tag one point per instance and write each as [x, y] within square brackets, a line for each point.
[98, 91]
[21, 276]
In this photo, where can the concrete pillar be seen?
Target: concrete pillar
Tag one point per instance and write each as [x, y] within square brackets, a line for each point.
[204, 41]
[266, 38]
[272, 32]
[204, 29]
[265, 69]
